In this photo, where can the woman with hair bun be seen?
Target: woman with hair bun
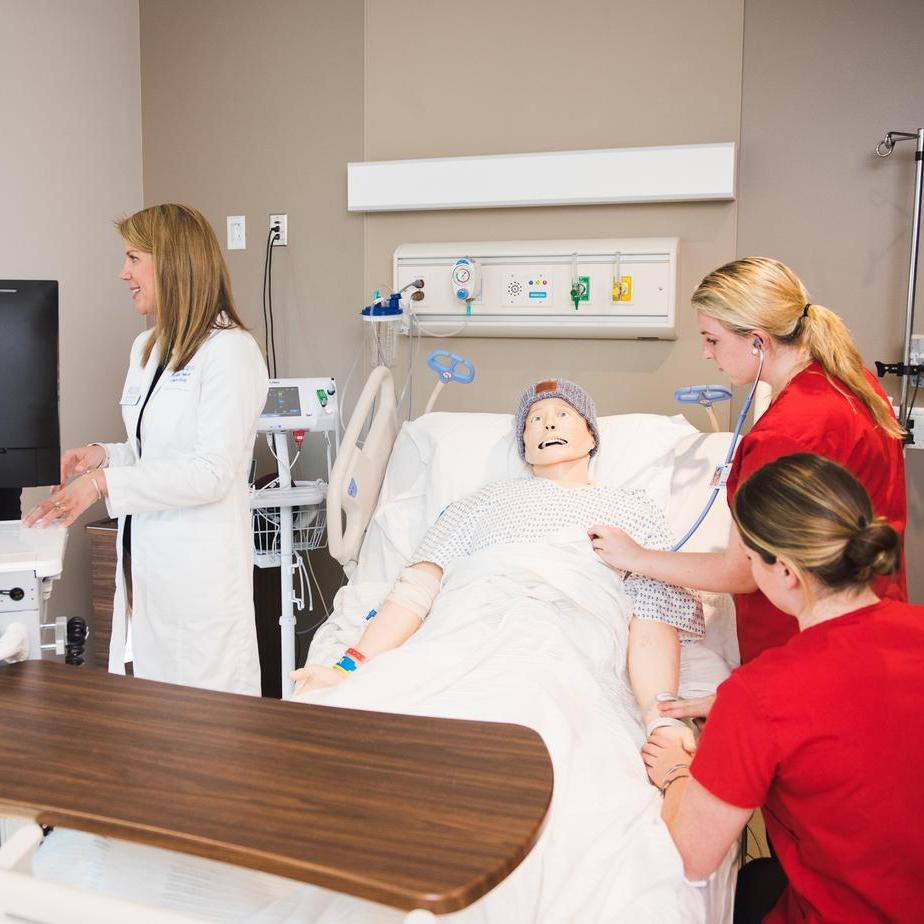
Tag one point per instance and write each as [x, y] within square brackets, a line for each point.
[824, 732]
[755, 318]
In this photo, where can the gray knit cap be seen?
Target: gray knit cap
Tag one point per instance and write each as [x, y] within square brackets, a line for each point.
[568, 392]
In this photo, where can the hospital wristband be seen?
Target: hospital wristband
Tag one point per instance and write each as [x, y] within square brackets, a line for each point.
[347, 664]
[357, 655]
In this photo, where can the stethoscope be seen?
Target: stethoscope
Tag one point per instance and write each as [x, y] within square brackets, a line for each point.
[720, 476]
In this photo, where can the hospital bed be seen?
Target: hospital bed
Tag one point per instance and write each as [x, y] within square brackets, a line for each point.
[389, 484]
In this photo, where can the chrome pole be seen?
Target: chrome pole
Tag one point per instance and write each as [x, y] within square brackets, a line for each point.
[912, 268]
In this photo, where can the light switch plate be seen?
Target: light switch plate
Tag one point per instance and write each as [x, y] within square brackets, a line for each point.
[237, 232]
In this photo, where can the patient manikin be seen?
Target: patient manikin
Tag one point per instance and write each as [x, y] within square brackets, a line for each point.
[558, 437]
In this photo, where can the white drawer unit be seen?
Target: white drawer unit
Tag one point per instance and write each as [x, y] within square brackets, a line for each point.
[30, 560]
[612, 288]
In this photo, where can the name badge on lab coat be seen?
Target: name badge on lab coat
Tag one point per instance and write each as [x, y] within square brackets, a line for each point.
[131, 396]
[180, 378]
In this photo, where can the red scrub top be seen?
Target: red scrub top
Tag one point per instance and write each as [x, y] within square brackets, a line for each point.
[827, 734]
[812, 414]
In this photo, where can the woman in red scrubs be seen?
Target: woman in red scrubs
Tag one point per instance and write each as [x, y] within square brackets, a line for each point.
[824, 732]
[824, 402]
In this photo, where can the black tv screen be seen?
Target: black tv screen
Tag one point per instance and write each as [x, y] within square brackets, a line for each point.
[30, 443]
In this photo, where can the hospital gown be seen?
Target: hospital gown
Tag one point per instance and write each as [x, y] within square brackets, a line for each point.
[527, 510]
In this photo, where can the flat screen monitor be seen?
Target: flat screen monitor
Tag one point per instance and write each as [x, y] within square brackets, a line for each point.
[30, 443]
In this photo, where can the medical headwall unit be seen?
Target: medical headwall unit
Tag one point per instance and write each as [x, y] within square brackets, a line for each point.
[609, 288]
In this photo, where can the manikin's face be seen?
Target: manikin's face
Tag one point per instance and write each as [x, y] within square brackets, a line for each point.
[733, 353]
[554, 432]
[138, 272]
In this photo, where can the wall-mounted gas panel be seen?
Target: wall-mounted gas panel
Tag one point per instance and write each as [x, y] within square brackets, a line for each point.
[574, 288]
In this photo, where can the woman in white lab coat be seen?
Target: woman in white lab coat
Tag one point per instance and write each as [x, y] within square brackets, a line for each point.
[196, 383]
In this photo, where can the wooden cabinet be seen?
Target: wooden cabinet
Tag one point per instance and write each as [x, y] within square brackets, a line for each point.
[103, 534]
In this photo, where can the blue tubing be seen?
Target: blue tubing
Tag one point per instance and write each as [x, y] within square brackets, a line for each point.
[728, 457]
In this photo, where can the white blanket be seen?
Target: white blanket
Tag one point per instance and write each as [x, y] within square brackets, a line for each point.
[536, 635]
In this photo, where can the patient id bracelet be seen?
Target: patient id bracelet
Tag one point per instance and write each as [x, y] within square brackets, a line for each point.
[349, 661]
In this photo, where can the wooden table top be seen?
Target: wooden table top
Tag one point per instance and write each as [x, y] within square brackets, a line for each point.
[407, 811]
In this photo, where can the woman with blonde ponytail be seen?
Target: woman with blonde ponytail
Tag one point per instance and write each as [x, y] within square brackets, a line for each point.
[823, 733]
[755, 315]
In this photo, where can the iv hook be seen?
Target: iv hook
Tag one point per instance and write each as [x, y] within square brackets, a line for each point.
[887, 145]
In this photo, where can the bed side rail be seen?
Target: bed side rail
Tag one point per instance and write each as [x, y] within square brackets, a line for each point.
[358, 473]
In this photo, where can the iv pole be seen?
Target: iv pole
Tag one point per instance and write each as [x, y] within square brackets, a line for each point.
[884, 149]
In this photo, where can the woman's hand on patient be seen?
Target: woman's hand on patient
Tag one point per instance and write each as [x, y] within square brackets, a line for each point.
[663, 751]
[687, 708]
[315, 677]
[615, 547]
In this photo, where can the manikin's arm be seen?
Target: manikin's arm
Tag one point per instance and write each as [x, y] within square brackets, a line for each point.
[392, 626]
[721, 572]
[654, 667]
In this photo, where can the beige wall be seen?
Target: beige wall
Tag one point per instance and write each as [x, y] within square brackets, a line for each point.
[251, 108]
[70, 162]
[486, 78]
[823, 82]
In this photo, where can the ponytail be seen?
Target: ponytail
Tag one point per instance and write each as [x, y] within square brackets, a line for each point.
[758, 292]
[828, 341]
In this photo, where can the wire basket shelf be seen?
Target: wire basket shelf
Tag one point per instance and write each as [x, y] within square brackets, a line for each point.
[309, 520]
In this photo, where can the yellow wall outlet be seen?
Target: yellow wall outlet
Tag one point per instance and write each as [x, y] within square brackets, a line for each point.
[622, 290]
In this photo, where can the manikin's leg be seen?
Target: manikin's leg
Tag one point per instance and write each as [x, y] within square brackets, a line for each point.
[654, 666]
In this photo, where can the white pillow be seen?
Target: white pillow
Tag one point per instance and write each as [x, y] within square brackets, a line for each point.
[442, 457]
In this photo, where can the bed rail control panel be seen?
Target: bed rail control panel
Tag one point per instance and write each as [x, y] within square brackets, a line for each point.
[300, 404]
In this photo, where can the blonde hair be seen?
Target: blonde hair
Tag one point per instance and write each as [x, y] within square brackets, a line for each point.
[761, 293]
[192, 289]
[815, 514]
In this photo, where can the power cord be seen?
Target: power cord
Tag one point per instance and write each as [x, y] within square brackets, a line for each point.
[269, 332]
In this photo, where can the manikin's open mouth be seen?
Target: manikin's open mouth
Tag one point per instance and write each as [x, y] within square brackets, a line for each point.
[556, 441]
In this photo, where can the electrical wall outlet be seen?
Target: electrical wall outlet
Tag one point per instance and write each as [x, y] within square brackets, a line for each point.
[917, 349]
[237, 236]
[283, 221]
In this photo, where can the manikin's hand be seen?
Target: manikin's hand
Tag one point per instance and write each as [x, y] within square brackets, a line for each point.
[674, 733]
[663, 751]
[615, 547]
[79, 461]
[66, 504]
[687, 708]
[315, 677]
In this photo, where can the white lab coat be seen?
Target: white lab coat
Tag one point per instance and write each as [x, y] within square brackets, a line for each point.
[192, 618]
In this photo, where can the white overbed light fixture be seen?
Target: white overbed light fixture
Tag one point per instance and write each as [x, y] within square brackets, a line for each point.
[674, 173]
